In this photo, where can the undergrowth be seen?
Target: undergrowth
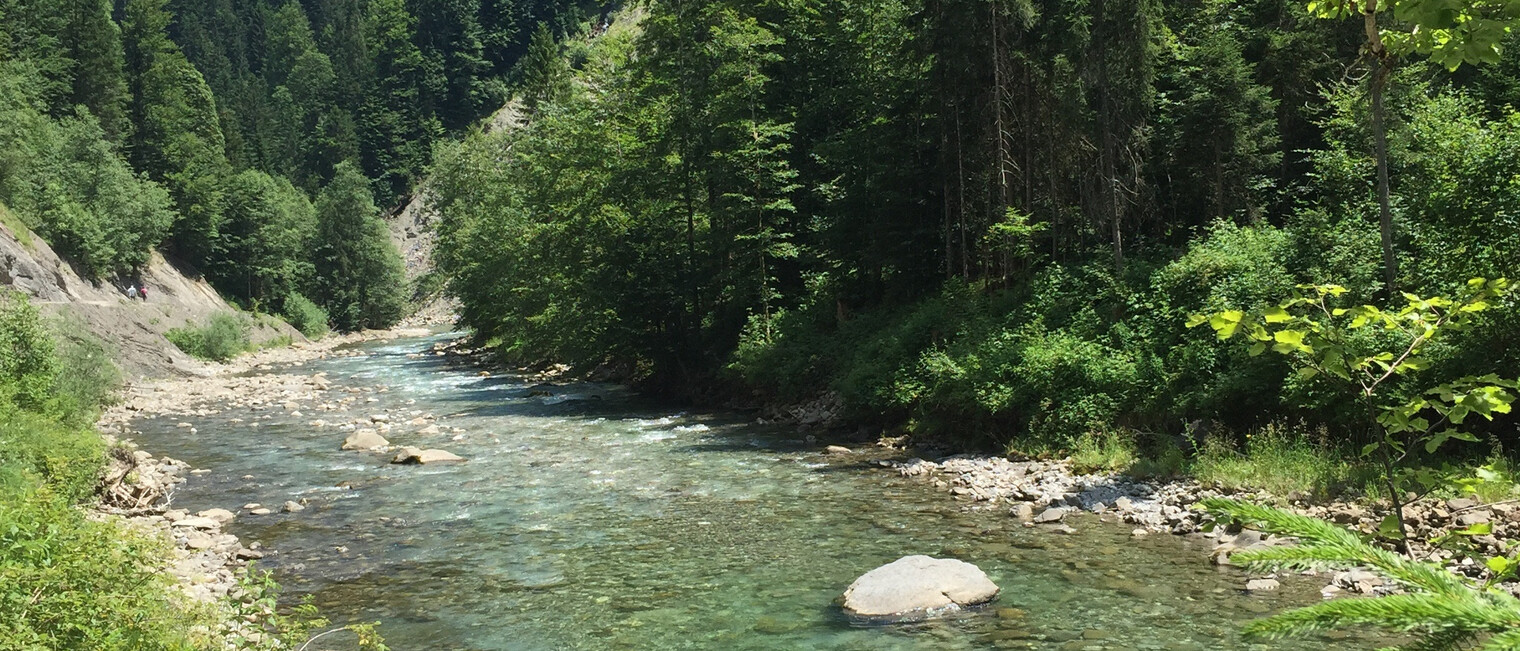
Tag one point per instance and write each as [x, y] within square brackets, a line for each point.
[223, 337]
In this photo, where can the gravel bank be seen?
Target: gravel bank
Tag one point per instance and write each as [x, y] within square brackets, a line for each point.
[1043, 493]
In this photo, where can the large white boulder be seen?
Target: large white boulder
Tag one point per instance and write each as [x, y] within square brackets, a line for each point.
[915, 588]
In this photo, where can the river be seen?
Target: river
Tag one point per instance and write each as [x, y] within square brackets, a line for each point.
[590, 518]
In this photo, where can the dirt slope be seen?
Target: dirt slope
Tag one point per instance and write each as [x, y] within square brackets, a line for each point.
[132, 329]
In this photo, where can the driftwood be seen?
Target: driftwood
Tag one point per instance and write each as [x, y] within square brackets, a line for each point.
[144, 494]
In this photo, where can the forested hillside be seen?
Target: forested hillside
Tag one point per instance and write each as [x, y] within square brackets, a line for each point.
[990, 220]
[255, 141]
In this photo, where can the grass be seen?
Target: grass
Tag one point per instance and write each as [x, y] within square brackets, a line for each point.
[1280, 461]
[1105, 452]
[17, 227]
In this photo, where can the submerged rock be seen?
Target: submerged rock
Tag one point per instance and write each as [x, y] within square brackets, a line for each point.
[414, 455]
[915, 588]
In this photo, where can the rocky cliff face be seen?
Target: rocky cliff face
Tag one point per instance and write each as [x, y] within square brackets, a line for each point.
[132, 329]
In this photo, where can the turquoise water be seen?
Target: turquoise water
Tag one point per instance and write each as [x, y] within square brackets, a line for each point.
[590, 519]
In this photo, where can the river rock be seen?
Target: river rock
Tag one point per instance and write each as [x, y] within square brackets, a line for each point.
[915, 588]
[365, 439]
[1262, 585]
[198, 522]
[1050, 515]
[222, 516]
[837, 449]
[292, 507]
[414, 455]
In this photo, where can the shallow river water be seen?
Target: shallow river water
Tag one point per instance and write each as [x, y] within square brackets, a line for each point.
[590, 519]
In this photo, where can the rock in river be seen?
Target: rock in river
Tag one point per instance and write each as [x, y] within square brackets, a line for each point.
[365, 439]
[915, 588]
[413, 455]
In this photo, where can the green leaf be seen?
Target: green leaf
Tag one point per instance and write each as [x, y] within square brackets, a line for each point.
[1276, 315]
[1389, 527]
[1226, 323]
[1479, 529]
[1197, 320]
[1369, 448]
[1290, 341]
[1307, 372]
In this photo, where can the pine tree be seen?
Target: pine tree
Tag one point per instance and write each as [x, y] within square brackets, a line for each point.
[177, 137]
[92, 43]
[395, 134]
[357, 275]
[543, 77]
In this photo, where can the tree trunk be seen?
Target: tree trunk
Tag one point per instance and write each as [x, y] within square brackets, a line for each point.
[1380, 145]
[1380, 69]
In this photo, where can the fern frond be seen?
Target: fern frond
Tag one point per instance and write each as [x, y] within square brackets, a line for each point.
[1419, 613]
[1507, 641]
[1446, 640]
[1293, 558]
[1329, 543]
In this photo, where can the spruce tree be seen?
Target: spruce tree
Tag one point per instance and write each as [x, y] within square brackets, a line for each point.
[357, 275]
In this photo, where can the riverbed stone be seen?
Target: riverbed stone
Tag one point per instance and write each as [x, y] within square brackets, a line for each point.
[293, 507]
[1262, 585]
[411, 455]
[1050, 515]
[198, 522]
[837, 449]
[365, 439]
[222, 516]
[915, 588]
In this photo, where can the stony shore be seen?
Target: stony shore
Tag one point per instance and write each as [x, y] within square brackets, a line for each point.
[1045, 493]
[207, 564]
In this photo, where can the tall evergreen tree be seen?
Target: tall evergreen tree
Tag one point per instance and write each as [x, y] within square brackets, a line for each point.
[395, 133]
[92, 42]
[177, 137]
[357, 272]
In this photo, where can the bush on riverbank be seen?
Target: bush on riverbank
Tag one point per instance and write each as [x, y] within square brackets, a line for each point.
[66, 582]
[223, 337]
[306, 316]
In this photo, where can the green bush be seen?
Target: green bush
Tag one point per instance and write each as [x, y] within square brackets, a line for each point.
[28, 363]
[67, 582]
[306, 316]
[87, 379]
[224, 337]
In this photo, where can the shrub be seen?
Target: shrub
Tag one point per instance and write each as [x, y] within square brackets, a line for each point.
[67, 582]
[1439, 609]
[87, 379]
[224, 337]
[306, 316]
[28, 364]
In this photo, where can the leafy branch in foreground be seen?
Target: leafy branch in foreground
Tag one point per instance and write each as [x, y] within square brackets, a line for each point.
[1441, 610]
[1319, 339]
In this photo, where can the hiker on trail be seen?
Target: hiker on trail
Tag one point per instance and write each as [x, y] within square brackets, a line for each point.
[132, 292]
[144, 292]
